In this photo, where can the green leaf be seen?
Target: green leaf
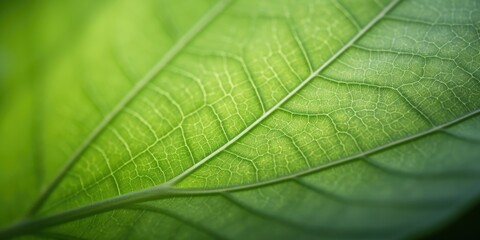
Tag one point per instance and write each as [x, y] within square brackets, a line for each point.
[238, 119]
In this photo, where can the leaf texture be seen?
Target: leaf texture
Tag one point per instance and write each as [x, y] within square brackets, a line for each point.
[240, 119]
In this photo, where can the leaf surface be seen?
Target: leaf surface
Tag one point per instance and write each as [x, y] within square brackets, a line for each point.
[240, 119]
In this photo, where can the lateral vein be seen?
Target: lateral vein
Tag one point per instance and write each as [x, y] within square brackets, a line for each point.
[362, 32]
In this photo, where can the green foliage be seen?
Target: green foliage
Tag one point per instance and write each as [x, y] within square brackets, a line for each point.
[238, 119]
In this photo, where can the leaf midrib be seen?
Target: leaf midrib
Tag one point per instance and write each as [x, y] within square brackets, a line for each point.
[338, 161]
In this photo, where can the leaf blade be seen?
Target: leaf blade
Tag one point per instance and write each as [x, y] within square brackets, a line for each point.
[378, 96]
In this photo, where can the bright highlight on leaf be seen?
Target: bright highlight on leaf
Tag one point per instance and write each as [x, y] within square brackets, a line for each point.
[246, 119]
